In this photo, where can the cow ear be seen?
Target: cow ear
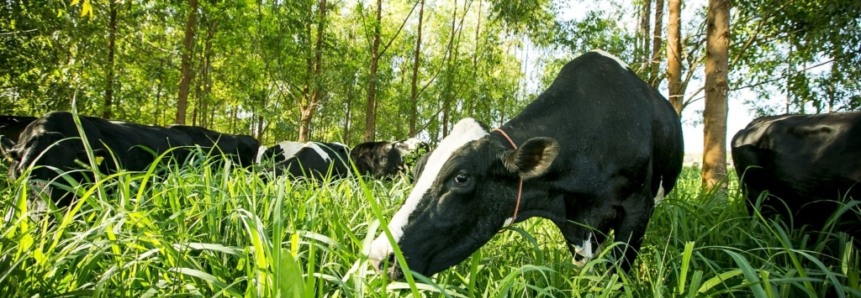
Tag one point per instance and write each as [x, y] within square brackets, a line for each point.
[532, 158]
[6, 147]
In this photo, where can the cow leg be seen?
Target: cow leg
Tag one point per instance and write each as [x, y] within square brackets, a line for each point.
[631, 228]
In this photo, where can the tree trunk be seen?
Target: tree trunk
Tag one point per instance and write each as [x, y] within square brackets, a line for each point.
[109, 80]
[370, 130]
[207, 75]
[347, 114]
[414, 84]
[307, 110]
[185, 77]
[655, 63]
[715, 113]
[644, 34]
[674, 55]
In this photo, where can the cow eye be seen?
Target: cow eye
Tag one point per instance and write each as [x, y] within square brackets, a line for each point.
[461, 178]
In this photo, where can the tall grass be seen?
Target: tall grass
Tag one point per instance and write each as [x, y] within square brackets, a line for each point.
[221, 231]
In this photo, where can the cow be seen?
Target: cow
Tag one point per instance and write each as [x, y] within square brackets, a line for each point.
[51, 144]
[278, 153]
[12, 126]
[384, 159]
[806, 163]
[240, 148]
[315, 161]
[593, 150]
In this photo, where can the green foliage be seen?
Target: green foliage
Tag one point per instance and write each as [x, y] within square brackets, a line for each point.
[203, 231]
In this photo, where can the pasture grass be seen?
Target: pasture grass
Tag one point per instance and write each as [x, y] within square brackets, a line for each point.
[221, 231]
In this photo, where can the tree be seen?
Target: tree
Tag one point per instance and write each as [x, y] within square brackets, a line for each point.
[309, 105]
[674, 58]
[109, 80]
[185, 80]
[414, 81]
[716, 86]
[372, 79]
[655, 61]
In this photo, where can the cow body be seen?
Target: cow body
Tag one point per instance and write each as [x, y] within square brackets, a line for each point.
[12, 126]
[46, 143]
[278, 153]
[314, 160]
[807, 163]
[240, 148]
[595, 149]
[384, 159]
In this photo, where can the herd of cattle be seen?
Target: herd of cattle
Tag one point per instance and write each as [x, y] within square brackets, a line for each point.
[52, 146]
[593, 154]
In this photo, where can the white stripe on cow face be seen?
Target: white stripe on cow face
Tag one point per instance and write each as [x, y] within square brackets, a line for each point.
[608, 55]
[465, 131]
[323, 154]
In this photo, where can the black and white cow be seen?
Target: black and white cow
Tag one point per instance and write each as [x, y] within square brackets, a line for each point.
[807, 163]
[596, 148]
[315, 160]
[12, 126]
[278, 153]
[384, 159]
[51, 144]
[242, 149]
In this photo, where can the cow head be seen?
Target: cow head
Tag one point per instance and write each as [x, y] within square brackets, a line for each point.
[465, 195]
[48, 152]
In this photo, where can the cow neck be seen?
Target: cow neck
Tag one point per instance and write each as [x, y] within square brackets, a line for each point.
[520, 186]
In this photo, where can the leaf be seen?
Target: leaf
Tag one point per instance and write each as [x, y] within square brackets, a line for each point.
[292, 284]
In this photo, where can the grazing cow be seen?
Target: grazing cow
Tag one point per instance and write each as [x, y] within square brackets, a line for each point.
[278, 153]
[52, 143]
[12, 126]
[594, 149]
[384, 159]
[314, 160]
[807, 163]
[241, 148]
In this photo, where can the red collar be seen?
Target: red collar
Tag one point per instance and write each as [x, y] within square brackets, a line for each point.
[519, 188]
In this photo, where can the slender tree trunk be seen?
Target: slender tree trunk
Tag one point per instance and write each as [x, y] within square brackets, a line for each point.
[370, 119]
[715, 113]
[158, 110]
[185, 77]
[308, 108]
[414, 84]
[674, 55]
[109, 80]
[207, 75]
[644, 34]
[347, 114]
[655, 63]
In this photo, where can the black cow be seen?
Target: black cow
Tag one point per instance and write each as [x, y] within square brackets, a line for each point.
[278, 153]
[807, 163]
[46, 143]
[315, 160]
[384, 159]
[596, 148]
[241, 148]
[12, 126]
